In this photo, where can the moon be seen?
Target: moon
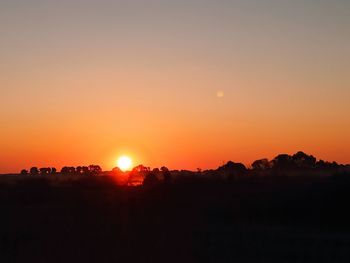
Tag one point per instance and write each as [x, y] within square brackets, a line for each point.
[220, 94]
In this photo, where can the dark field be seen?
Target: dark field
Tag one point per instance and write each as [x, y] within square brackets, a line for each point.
[271, 219]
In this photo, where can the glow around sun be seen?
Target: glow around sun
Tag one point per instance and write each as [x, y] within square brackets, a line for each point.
[124, 163]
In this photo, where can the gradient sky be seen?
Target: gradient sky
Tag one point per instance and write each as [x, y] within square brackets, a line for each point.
[82, 82]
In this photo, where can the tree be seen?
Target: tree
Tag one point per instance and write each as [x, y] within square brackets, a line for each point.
[166, 174]
[65, 170]
[150, 179]
[304, 161]
[85, 170]
[322, 165]
[95, 169]
[68, 170]
[262, 164]
[138, 174]
[156, 171]
[24, 172]
[79, 170]
[116, 170]
[283, 162]
[45, 171]
[164, 169]
[141, 169]
[34, 171]
[232, 168]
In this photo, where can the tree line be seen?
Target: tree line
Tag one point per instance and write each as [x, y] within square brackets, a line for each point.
[281, 164]
[66, 170]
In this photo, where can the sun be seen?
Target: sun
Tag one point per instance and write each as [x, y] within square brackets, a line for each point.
[124, 163]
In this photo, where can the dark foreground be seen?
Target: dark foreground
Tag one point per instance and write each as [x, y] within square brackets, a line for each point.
[299, 219]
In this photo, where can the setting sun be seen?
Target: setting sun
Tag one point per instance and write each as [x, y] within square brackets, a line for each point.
[124, 163]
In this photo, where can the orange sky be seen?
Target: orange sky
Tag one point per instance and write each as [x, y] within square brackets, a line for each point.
[83, 83]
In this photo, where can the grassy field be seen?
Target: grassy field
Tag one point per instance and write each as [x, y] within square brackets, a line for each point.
[274, 219]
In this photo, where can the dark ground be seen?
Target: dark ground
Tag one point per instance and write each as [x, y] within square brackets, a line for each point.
[285, 219]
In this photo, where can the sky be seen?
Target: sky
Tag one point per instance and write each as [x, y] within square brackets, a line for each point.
[187, 83]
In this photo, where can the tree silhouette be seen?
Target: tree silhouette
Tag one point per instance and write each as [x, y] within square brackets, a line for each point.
[166, 174]
[150, 179]
[141, 169]
[283, 162]
[304, 161]
[262, 164]
[65, 170]
[95, 169]
[85, 170]
[24, 172]
[45, 171]
[79, 170]
[156, 171]
[68, 170]
[323, 165]
[232, 168]
[34, 171]
[116, 170]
